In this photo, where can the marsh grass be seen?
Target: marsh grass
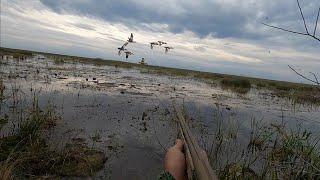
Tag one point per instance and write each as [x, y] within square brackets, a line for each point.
[18, 149]
[15, 52]
[272, 151]
[58, 61]
[261, 85]
[96, 137]
[241, 86]
[301, 98]
[3, 122]
[25, 153]
[307, 95]
[2, 88]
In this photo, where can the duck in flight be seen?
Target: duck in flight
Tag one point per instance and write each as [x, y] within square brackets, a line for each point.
[130, 39]
[153, 44]
[122, 48]
[161, 42]
[167, 48]
[128, 53]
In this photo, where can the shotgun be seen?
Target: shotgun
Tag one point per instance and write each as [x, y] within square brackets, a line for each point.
[197, 162]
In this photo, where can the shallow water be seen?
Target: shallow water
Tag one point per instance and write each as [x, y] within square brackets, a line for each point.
[133, 111]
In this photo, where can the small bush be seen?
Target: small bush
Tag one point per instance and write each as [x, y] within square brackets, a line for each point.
[272, 84]
[283, 87]
[58, 61]
[238, 83]
[261, 85]
[306, 98]
[241, 86]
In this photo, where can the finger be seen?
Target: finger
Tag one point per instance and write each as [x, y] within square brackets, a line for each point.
[204, 154]
[179, 144]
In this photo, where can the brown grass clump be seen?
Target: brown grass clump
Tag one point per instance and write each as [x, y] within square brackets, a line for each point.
[2, 88]
[306, 97]
[79, 160]
[26, 154]
[58, 61]
[272, 152]
[241, 86]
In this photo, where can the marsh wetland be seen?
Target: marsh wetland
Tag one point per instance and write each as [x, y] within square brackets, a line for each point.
[118, 117]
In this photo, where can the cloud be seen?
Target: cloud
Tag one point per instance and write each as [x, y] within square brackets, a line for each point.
[84, 26]
[218, 35]
[223, 18]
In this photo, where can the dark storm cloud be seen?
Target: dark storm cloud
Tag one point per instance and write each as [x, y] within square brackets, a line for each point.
[221, 18]
[224, 24]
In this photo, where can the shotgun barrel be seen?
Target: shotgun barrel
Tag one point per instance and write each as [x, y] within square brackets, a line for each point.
[198, 164]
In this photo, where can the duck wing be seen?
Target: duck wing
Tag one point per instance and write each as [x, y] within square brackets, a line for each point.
[125, 44]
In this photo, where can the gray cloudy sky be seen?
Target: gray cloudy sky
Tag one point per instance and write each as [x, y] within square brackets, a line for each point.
[224, 36]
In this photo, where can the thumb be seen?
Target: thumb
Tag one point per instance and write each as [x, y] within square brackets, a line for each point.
[179, 144]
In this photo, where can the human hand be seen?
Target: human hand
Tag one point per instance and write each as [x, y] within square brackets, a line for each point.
[175, 161]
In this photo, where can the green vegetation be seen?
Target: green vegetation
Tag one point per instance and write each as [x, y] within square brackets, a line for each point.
[2, 88]
[272, 151]
[297, 93]
[58, 61]
[26, 153]
[3, 122]
[16, 53]
[281, 154]
[165, 71]
[300, 97]
[261, 85]
[236, 85]
[96, 137]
